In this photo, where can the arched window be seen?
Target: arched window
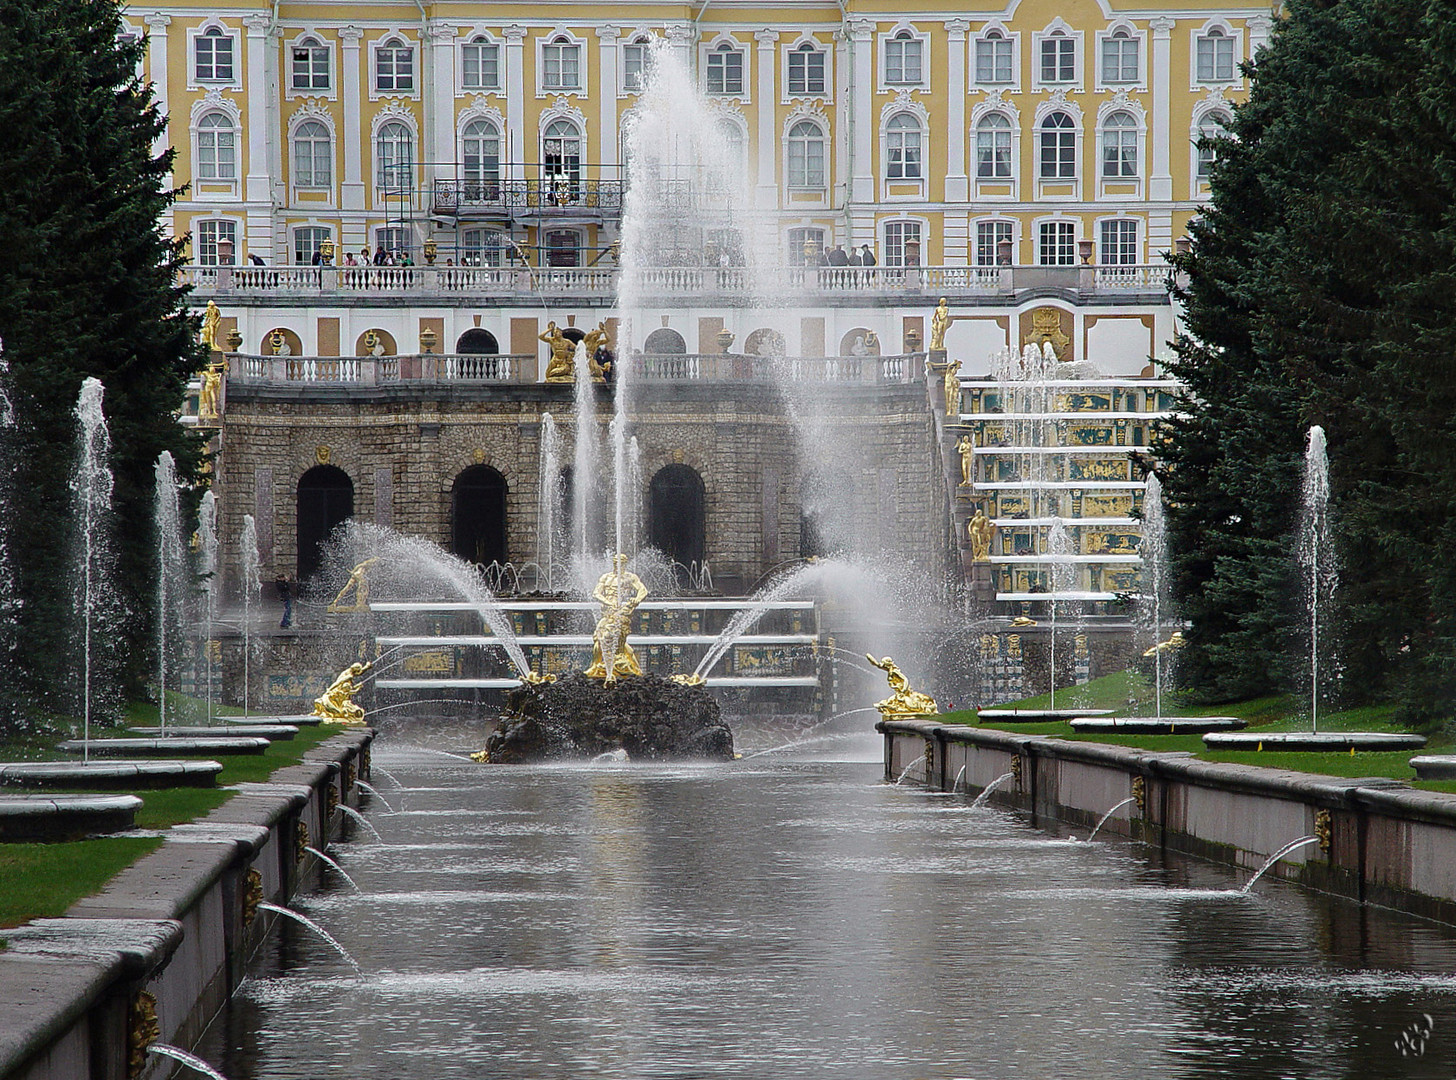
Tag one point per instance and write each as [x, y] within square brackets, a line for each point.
[1215, 56]
[1119, 58]
[1211, 128]
[806, 155]
[478, 515]
[394, 151]
[1119, 147]
[676, 523]
[213, 56]
[1058, 57]
[1058, 147]
[325, 501]
[665, 342]
[480, 154]
[394, 67]
[725, 70]
[561, 64]
[310, 65]
[634, 64]
[477, 342]
[216, 148]
[806, 70]
[904, 60]
[480, 64]
[994, 59]
[993, 147]
[313, 156]
[902, 148]
[561, 151]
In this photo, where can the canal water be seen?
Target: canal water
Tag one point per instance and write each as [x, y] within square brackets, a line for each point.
[797, 917]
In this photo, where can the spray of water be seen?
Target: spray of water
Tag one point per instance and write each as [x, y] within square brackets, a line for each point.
[9, 597]
[91, 487]
[207, 579]
[1062, 571]
[1153, 548]
[252, 588]
[548, 487]
[171, 573]
[1318, 568]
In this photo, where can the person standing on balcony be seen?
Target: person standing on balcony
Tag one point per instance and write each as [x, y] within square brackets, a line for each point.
[866, 256]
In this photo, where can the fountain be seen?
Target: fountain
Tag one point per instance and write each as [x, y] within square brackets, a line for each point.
[171, 573]
[91, 488]
[252, 587]
[207, 578]
[323, 934]
[980, 800]
[9, 600]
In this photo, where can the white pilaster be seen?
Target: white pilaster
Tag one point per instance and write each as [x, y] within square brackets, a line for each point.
[957, 183]
[352, 192]
[1160, 184]
[157, 24]
[516, 152]
[862, 90]
[610, 154]
[681, 38]
[768, 142]
[439, 102]
[258, 185]
[1259, 27]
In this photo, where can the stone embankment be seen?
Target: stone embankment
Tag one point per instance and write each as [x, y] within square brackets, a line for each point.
[1380, 840]
[156, 954]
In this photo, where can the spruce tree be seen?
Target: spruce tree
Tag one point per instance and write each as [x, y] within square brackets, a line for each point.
[88, 287]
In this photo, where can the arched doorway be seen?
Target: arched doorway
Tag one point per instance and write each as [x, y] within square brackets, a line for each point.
[478, 515]
[676, 522]
[478, 342]
[325, 501]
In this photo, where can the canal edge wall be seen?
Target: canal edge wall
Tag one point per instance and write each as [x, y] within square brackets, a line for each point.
[157, 953]
[1380, 840]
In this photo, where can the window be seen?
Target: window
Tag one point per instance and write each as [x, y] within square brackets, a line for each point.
[307, 242]
[394, 153]
[216, 148]
[902, 148]
[1058, 243]
[993, 148]
[634, 65]
[217, 242]
[480, 64]
[725, 70]
[806, 70]
[481, 247]
[312, 156]
[806, 155]
[903, 62]
[1119, 147]
[561, 64]
[480, 155]
[1058, 58]
[561, 152]
[563, 247]
[310, 65]
[1119, 241]
[989, 236]
[394, 67]
[1058, 147]
[213, 53]
[1213, 127]
[394, 239]
[902, 243]
[805, 246]
[1215, 57]
[1119, 59]
[993, 58]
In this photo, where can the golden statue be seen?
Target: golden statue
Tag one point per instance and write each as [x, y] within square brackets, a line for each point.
[336, 703]
[209, 398]
[967, 449]
[691, 679]
[939, 323]
[359, 583]
[979, 531]
[212, 328]
[619, 591]
[593, 341]
[1174, 642]
[561, 368]
[952, 388]
[904, 701]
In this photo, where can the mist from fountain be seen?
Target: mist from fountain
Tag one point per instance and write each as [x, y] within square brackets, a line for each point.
[1319, 570]
[9, 597]
[171, 574]
[1061, 571]
[91, 489]
[207, 579]
[1153, 548]
[252, 589]
[548, 509]
[586, 473]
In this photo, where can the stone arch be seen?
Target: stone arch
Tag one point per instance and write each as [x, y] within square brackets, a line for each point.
[765, 342]
[665, 341]
[478, 515]
[860, 342]
[325, 501]
[291, 345]
[362, 346]
[478, 342]
[677, 514]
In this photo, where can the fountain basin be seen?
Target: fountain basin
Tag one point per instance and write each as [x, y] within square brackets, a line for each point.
[110, 774]
[1156, 725]
[271, 732]
[305, 720]
[1036, 716]
[183, 746]
[1434, 766]
[1317, 741]
[65, 817]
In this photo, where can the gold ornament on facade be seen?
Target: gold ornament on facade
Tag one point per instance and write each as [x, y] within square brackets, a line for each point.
[1323, 828]
[1140, 795]
[904, 702]
[358, 584]
[209, 397]
[561, 368]
[1016, 770]
[301, 841]
[966, 447]
[692, 678]
[366, 763]
[143, 1029]
[478, 455]
[618, 591]
[952, 388]
[234, 340]
[1046, 326]
[252, 896]
[211, 327]
[929, 759]
[531, 678]
[336, 704]
[322, 454]
[979, 531]
[331, 799]
[940, 321]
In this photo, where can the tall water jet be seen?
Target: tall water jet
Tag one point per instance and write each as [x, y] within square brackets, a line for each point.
[252, 587]
[1153, 548]
[1318, 569]
[207, 579]
[1061, 573]
[171, 572]
[586, 465]
[548, 498]
[9, 598]
[91, 488]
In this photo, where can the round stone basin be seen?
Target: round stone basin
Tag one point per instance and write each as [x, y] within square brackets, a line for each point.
[110, 774]
[1036, 716]
[1318, 741]
[305, 720]
[65, 817]
[181, 746]
[271, 732]
[1434, 766]
[1156, 725]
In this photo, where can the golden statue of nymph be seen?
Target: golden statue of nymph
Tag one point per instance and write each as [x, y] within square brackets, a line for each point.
[212, 328]
[978, 529]
[904, 701]
[562, 365]
[952, 388]
[209, 397]
[359, 583]
[619, 591]
[939, 323]
[336, 704]
[966, 447]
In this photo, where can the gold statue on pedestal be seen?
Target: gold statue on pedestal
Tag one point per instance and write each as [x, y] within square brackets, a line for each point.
[978, 529]
[209, 398]
[561, 367]
[966, 447]
[939, 323]
[952, 389]
[336, 703]
[359, 583]
[904, 702]
[212, 328]
[619, 591]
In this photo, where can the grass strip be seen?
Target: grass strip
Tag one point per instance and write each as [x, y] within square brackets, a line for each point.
[44, 880]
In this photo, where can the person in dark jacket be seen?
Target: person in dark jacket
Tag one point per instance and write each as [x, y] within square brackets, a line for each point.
[285, 593]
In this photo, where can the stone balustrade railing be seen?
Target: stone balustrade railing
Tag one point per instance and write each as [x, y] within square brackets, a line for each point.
[263, 282]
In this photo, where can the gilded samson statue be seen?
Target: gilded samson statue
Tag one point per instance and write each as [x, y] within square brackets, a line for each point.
[336, 703]
[904, 702]
[619, 591]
